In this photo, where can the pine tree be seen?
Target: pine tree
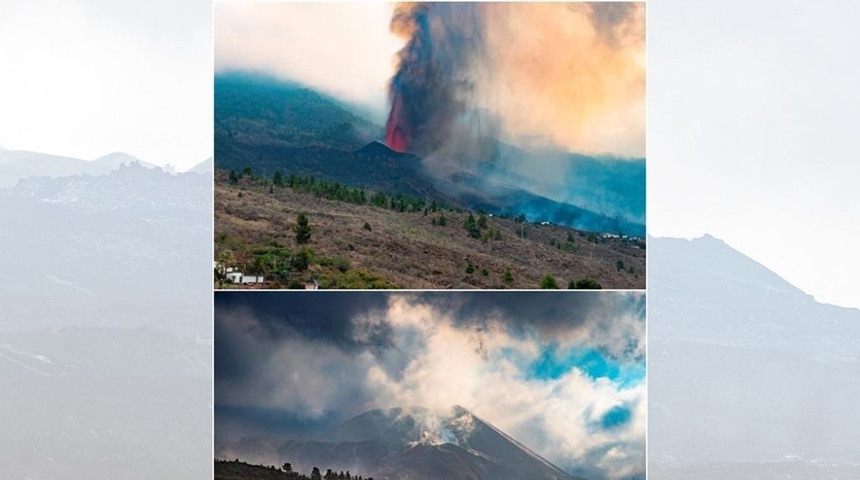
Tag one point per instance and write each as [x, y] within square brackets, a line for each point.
[472, 226]
[302, 229]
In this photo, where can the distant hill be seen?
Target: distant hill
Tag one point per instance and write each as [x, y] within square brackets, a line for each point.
[18, 164]
[206, 167]
[272, 125]
[105, 337]
[258, 110]
[92, 241]
[748, 376]
[409, 443]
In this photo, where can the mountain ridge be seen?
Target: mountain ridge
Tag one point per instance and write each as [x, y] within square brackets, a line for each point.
[409, 442]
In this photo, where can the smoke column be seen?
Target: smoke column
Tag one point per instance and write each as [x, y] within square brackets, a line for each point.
[560, 74]
[433, 82]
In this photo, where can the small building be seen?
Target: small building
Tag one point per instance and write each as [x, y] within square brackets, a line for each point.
[252, 279]
[238, 278]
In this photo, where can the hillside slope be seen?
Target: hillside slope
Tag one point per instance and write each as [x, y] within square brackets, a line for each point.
[749, 377]
[411, 249]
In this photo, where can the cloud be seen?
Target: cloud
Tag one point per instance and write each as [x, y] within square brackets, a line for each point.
[478, 350]
[340, 48]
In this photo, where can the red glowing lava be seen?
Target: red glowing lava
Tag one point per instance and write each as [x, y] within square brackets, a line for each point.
[395, 137]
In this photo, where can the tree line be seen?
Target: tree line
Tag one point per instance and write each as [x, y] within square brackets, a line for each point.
[238, 470]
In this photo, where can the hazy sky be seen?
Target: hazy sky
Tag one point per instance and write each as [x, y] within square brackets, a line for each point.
[85, 78]
[752, 134]
[563, 373]
[344, 49]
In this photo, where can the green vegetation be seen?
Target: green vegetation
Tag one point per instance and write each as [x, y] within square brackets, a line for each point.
[470, 268]
[355, 195]
[584, 284]
[472, 226]
[507, 277]
[548, 282]
[284, 267]
[302, 229]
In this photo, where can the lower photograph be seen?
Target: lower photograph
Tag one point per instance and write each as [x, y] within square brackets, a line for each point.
[481, 385]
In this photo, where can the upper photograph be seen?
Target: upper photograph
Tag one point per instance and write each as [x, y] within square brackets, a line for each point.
[429, 146]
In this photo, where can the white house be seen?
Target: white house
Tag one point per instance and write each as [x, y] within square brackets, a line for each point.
[237, 277]
[252, 279]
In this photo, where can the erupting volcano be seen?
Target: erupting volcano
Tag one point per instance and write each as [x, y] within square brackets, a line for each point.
[432, 82]
[395, 137]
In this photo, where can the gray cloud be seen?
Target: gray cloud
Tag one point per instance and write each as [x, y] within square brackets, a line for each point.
[296, 364]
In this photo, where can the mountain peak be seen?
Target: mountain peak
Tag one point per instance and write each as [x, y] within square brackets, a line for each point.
[379, 149]
[714, 258]
[375, 148]
[709, 238]
[416, 442]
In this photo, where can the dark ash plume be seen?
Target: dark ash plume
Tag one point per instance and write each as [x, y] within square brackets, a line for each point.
[432, 85]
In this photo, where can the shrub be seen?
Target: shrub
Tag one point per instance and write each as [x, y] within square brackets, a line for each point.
[548, 282]
[584, 284]
[341, 263]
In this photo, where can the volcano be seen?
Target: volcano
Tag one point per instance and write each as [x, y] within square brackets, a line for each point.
[380, 150]
[407, 443]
